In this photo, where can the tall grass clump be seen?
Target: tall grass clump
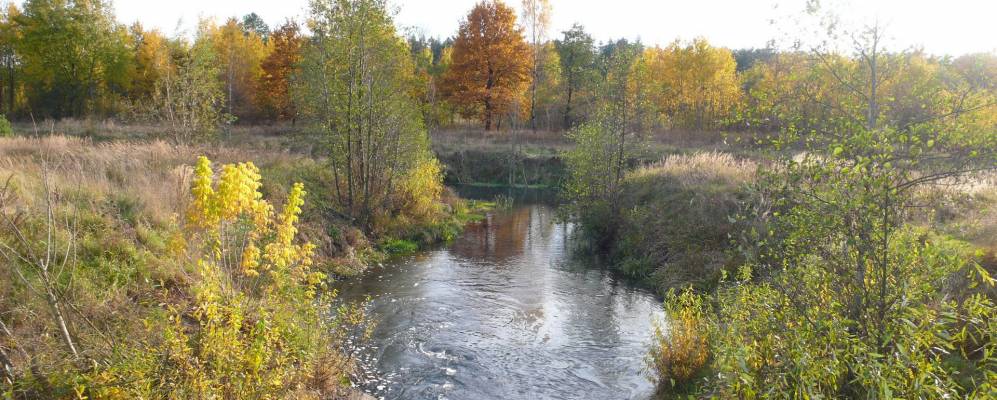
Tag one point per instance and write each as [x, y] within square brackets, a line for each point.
[677, 225]
[700, 168]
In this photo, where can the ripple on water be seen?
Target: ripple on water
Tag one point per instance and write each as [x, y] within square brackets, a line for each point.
[504, 313]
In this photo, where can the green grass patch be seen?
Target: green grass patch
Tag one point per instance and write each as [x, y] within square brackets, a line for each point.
[399, 246]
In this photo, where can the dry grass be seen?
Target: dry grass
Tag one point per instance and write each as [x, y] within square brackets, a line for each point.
[701, 167]
[113, 129]
[153, 173]
[448, 141]
[964, 208]
[676, 230]
[262, 137]
[472, 138]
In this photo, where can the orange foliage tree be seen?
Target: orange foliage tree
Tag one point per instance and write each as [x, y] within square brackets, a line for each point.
[274, 96]
[491, 63]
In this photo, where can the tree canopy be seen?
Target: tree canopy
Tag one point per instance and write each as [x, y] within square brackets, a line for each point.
[491, 62]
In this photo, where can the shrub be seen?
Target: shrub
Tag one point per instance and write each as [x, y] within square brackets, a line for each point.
[252, 328]
[680, 350]
[791, 335]
[5, 129]
[422, 188]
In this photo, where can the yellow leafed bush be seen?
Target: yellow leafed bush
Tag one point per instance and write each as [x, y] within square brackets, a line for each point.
[424, 186]
[251, 328]
[680, 349]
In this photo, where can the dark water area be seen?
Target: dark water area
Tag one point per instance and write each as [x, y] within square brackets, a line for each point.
[520, 195]
[504, 312]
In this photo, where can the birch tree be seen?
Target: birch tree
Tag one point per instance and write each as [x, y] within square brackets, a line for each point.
[536, 18]
[356, 88]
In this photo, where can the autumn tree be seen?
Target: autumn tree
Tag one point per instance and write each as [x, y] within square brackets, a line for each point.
[240, 53]
[9, 60]
[774, 90]
[549, 91]
[578, 72]
[274, 95]
[536, 18]
[188, 97]
[747, 58]
[152, 60]
[613, 54]
[976, 73]
[623, 91]
[74, 56]
[695, 85]
[491, 63]
[424, 62]
[356, 89]
[443, 110]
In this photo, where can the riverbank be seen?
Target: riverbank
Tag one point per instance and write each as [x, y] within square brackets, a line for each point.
[676, 220]
[684, 216]
[678, 206]
[527, 159]
[122, 260]
[501, 159]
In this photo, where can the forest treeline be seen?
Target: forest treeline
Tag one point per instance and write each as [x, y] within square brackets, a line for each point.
[66, 59]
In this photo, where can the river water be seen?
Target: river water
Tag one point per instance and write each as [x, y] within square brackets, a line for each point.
[504, 312]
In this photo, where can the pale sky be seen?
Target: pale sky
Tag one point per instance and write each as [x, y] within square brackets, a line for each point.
[940, 26]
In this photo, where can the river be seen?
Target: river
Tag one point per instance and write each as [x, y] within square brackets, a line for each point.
[504, 312]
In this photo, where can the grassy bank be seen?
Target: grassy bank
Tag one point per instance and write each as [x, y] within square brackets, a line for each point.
[121, 284]
[517, 159]
[682, 216]
[523, 158]
[470, 155]
[677, 220]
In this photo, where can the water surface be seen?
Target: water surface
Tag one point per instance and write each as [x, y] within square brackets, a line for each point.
[504, 313]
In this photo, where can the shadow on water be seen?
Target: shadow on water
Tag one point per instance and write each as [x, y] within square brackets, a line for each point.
[505, 313]
[520, 195]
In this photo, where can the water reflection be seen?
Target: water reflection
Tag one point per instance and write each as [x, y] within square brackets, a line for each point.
[504, 313]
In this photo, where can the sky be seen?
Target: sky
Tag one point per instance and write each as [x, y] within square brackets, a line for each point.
[950, 27]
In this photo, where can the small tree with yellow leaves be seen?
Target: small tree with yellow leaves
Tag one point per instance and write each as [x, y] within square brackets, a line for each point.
[252, 329]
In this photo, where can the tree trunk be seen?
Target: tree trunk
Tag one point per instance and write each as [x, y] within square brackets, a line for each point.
[8, 371]
[60, 319]
[488, 114]
[567, 109]
[533, 96]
